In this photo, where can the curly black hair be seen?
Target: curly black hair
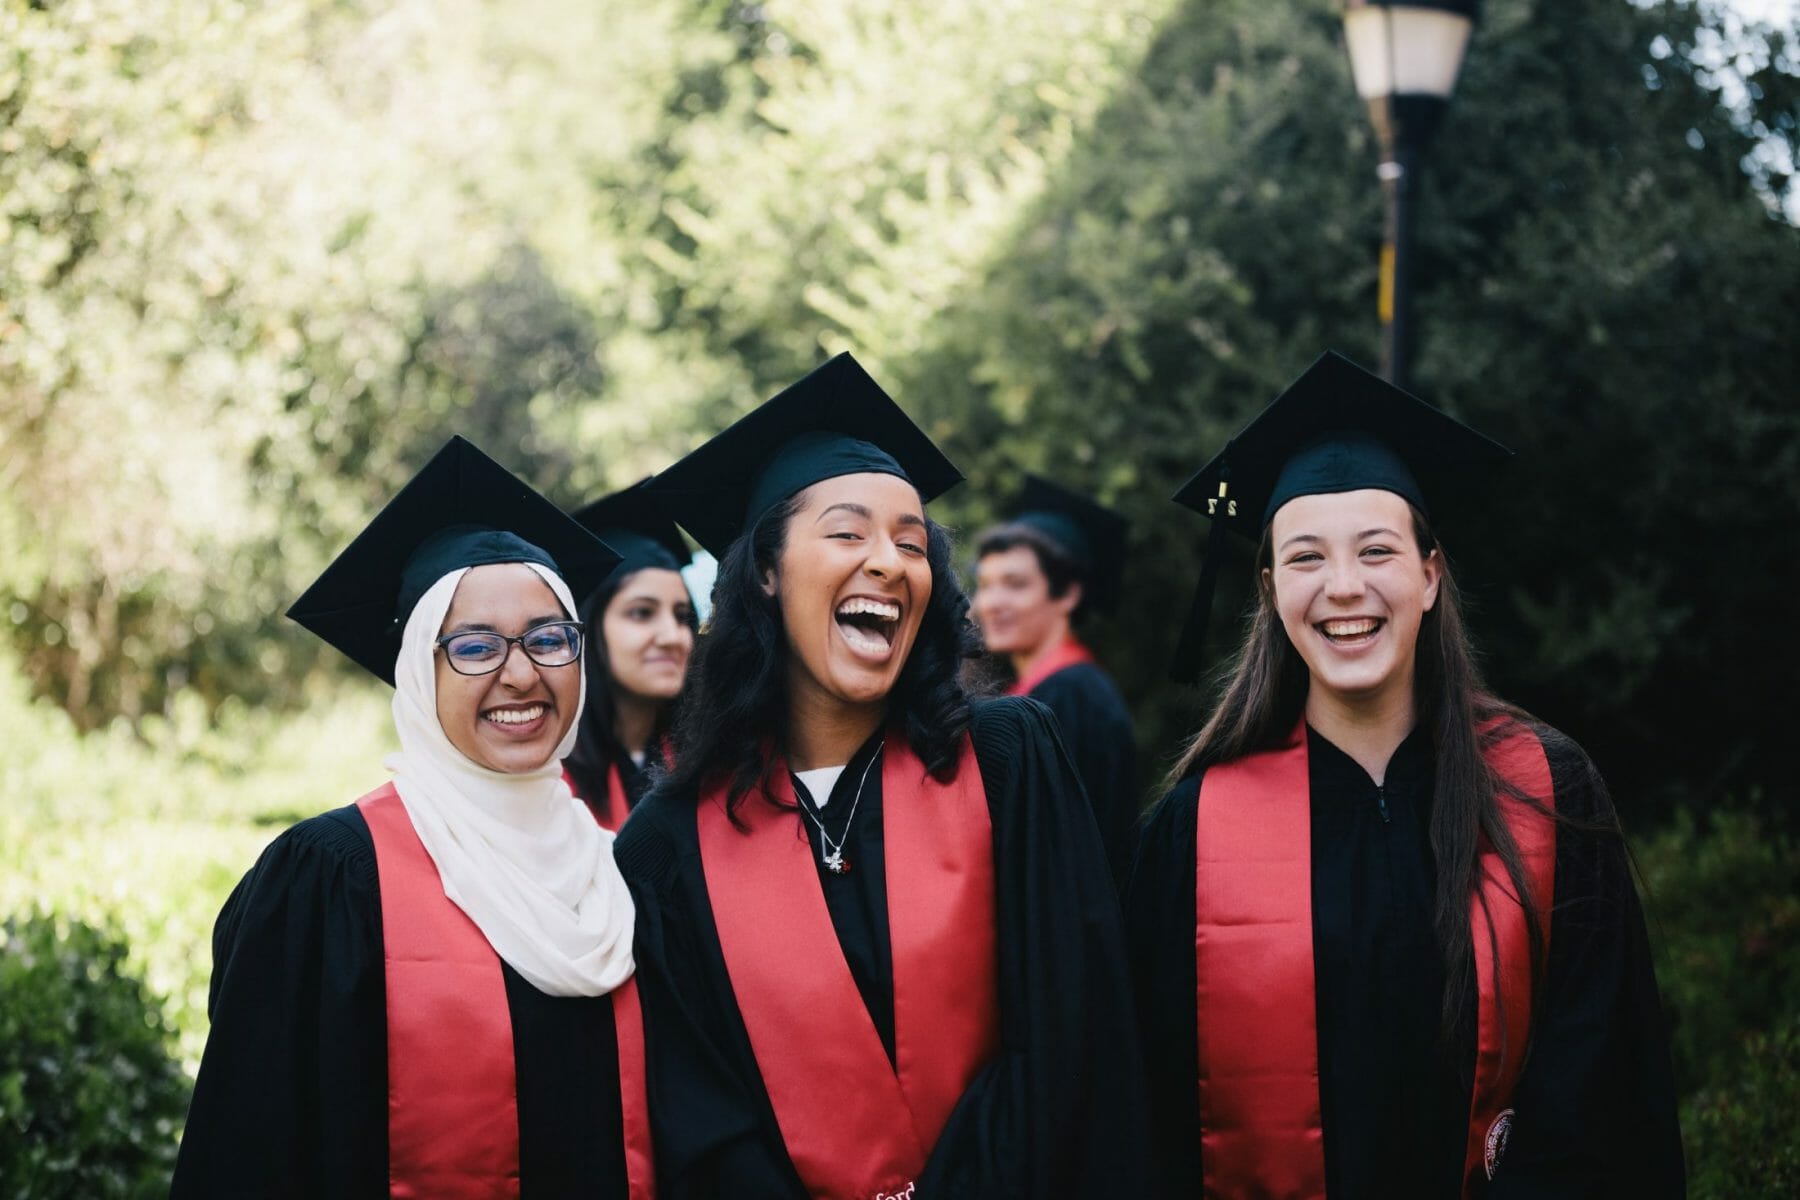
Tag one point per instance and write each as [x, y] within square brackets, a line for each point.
[737, 699]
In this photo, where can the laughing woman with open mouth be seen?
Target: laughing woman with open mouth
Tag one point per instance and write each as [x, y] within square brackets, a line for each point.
[877, 940]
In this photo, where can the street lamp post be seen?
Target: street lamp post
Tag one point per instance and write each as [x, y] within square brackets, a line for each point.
[1404, 57]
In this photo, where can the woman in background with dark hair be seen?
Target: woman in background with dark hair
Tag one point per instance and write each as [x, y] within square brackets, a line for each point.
[1383, 928]
[641, 626]
[877, 934]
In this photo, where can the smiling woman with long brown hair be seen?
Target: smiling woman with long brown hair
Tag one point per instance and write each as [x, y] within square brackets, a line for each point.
[1383, 930]
[877, 937]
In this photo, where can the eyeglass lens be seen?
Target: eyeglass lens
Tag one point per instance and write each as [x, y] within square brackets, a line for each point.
[554, 645]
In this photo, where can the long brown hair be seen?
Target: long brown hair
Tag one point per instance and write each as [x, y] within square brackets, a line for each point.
[1264, 693]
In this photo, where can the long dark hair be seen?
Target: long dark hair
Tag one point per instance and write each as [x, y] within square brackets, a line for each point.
[738, 705]
[1264, 693]
[598, 748]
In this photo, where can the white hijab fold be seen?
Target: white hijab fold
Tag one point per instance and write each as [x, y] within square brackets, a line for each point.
[518, 853]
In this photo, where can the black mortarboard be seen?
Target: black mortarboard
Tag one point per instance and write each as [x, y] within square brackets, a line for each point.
[1091, 534]
[634, 523]
[1337, 428]
[462, 510]
[835, 421]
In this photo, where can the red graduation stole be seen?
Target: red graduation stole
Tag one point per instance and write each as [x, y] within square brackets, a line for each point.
[453, 1111]
[856, 1126]
[1261, 1131]
[610, 812]
[1071, 653]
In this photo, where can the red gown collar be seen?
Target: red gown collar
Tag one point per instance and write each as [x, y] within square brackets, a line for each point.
[1071, 652]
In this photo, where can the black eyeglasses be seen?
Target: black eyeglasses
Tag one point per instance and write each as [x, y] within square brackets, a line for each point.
[552, 644]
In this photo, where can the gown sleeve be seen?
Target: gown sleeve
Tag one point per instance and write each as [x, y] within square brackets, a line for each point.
[712, 1124]
[1596, 1105]
[1061, 1112]
[1159, 929]
[1096, 730]
[291, 1096]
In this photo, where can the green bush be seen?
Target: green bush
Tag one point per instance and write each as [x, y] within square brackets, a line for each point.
[1723, 898]
[90, 1097]
[1743, 1138]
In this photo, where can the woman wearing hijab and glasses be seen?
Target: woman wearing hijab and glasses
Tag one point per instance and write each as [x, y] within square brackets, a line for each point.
[640, 624]
[429, 992]
[878, 941]
[1383, 929]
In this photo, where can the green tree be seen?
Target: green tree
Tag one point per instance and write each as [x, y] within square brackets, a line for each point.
[1595, 291]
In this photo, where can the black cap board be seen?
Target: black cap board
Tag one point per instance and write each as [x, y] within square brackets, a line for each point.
[1337, 428]
[462, 509]
[835, 421]
[633, 522]
[1092, 534]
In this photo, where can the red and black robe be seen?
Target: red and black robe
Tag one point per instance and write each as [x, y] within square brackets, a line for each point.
[1057, 1111]
[1096, 728]
[293, 1093]
[611, 788]
[1594, 1107]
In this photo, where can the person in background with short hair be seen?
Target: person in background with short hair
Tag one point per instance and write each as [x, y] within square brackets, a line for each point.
[1037, 576]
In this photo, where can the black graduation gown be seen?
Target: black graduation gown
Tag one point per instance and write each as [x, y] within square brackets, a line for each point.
[1059, 1114]
[1595, 1107]
[1096, 729]
[292, 1094]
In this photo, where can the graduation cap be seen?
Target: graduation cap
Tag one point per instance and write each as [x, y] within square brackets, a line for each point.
[835, 421]
[1091, 534]
[462, 510]
[634, 523]
[1337, 428]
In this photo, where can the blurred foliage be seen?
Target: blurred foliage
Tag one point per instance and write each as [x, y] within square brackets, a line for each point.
[147, 831]
[1742, 1138]
[1724, 897]
[256, 261]
[1594, 292]
[90, 1098]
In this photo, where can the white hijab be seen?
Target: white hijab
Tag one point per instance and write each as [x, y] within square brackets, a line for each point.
[518, 853]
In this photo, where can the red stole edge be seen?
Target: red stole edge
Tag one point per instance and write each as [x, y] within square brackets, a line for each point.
[1261, 1126]
[453, 1118]
[1071, 652]
[1261, 1132]
[611, 810]
[856, 1126]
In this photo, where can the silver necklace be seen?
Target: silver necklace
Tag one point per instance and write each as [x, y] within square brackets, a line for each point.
[832, 853]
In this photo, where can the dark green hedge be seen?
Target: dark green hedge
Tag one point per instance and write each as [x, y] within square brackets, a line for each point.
[90, 1097]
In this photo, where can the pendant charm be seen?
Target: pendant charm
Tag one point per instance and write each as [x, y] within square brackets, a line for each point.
[834, 862]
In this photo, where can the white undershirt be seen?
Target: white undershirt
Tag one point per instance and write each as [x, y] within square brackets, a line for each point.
[819, 781]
